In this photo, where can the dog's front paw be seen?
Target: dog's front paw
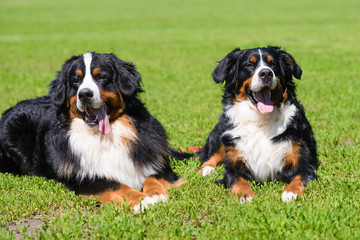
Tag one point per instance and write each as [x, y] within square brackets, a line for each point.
[206, 171]
[288, 196]
[244, 200]
[144, 204]
[159, 198]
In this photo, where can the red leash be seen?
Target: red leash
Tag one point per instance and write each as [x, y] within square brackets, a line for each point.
[190, 149]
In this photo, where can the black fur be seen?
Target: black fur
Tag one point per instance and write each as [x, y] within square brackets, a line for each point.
[233, 71]
[34, 134]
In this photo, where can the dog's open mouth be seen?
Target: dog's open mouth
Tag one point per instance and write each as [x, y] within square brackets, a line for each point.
[262, 100]
[97, 118]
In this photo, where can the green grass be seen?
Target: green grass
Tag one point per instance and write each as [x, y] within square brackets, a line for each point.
[175, 45]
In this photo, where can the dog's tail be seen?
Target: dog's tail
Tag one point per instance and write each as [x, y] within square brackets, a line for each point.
[183, 154]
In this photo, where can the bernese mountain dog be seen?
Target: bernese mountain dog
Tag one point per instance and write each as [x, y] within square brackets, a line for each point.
[91, 133]
[263, 133]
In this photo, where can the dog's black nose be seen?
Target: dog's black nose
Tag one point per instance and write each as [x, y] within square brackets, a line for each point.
[85, 95]
[265, 74]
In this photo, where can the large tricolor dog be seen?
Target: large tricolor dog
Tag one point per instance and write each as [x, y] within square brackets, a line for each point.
[263, 133]
[92, 134]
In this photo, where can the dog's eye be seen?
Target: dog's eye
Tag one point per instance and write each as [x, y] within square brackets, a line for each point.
[272, 65]
[100, 78]
[250, 65]
[77, 80]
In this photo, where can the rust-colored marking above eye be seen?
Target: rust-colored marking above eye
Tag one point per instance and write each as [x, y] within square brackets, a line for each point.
[79, 73]
[96, 71]
[253, 59]
[269, 58]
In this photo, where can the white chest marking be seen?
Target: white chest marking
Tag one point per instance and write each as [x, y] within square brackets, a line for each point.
[261, 155]
[106, 156]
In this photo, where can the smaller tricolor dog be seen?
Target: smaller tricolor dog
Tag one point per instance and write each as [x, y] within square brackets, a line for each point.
[92, 133]
[263, 133]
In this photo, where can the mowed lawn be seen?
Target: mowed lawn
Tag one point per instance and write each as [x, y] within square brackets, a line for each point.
[176, 45]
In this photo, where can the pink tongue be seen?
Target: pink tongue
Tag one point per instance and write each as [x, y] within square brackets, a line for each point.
[104, 123]
[264, 102]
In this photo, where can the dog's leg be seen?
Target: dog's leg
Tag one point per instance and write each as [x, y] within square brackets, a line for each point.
[242, 191]
[158, 188]
[210, 165]
[125, 194]
[295, 188]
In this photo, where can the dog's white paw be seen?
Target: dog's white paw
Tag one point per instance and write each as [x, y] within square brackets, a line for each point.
[159, 198]
[244, 200]
[288, 196]
[149, 201]
[206, 171]
[144, 204]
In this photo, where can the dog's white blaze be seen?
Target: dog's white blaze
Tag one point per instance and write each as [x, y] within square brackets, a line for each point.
[256, 83]
[106, 156]
[261, 155]
[89, 83]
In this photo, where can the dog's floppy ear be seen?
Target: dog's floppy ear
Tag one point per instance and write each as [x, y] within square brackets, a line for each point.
[288, 63]
[58, 86]
[127, 79]
[57, 91]
[226, 68]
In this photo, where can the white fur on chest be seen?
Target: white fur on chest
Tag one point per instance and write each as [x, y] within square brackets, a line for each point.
[261, 155]
[106, 156]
